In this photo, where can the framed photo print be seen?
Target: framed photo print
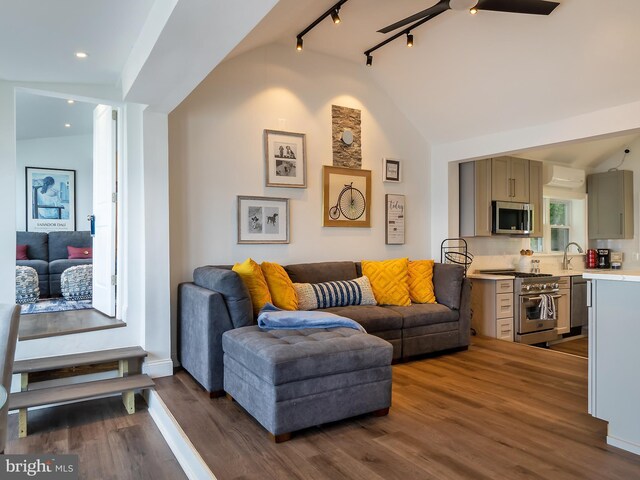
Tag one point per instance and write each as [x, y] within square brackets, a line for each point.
[394, 219]
[391, 170]
[346, 197]
[263, 220]
[286, 159]
[51, 199]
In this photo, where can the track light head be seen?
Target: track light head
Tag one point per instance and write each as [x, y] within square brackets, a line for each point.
[335, 17]
[473, 11]
[299, 44]
[409, 40]
[369, 60]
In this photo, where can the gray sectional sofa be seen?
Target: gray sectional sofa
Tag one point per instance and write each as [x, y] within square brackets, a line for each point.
[48, 255]
[217, 301]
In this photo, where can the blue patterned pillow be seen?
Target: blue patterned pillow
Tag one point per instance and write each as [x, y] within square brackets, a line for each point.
[334, 294]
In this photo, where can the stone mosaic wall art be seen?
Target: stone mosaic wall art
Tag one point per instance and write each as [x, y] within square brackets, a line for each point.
[346, 137]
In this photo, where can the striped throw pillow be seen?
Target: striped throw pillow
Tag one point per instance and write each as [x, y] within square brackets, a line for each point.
[334, 294]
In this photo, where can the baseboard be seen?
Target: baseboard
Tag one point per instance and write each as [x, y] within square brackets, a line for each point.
[188, 457]
[623, 444]
[158, 368]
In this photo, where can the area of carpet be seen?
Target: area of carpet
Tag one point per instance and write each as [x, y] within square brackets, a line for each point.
[55, 305]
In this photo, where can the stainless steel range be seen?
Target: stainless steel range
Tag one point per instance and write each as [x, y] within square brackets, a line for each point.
[529, 327]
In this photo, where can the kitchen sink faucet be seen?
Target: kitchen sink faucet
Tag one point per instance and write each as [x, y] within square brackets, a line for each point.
[566, 261]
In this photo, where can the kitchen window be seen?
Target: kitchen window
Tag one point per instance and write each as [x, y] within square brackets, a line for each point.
[559, 223]
[564, 221]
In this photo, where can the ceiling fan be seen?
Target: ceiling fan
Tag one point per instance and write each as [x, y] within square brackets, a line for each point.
[533, 7]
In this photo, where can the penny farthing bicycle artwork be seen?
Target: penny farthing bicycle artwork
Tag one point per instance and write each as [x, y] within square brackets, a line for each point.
[347, 194]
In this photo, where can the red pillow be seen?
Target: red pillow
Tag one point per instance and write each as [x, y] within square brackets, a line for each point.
[75, 253]
[21, 252]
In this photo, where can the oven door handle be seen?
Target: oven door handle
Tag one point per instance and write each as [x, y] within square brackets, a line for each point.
[531, 299]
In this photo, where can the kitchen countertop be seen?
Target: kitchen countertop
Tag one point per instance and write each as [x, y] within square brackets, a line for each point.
[619, 275]
[488, 276]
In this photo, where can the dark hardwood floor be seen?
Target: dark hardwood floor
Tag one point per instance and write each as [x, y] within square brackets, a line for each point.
[578, 346]
[497, 411]
[41, 325]
[110, 444]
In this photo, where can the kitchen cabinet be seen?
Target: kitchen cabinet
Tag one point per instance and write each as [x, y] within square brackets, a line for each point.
[614, 377]
[492, 307]
[563, 306]
[475, 198]
[510, 179]
[535, 197]
[610, 204]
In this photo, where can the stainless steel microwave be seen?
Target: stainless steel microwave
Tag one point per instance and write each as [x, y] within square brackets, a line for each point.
[512, 218]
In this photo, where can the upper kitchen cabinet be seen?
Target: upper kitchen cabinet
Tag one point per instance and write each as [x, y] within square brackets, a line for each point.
[510, 179]
[610, 204]
[475, 198]
[535, 197]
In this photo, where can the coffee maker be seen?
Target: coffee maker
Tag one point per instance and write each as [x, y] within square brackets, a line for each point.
[604, 255]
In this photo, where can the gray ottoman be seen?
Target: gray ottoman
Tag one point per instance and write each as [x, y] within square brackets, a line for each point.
[76, 283]
[293, 379]
[27, 285]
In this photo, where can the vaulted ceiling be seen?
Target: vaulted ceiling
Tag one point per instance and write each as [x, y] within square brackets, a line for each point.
[466, 76]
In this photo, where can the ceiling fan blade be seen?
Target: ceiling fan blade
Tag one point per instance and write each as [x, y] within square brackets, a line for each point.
[533, 7]
[438, 8]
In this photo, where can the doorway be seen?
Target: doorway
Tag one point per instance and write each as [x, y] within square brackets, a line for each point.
[66, 153]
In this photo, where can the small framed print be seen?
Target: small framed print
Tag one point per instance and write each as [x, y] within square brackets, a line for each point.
[263, 220]
[394, 219]
[286, 159]
[391, 170]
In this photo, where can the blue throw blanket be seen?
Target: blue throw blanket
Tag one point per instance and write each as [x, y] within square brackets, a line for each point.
[272, 317]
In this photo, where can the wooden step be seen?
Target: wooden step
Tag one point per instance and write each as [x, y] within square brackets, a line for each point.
[80, 391]
[77, 359]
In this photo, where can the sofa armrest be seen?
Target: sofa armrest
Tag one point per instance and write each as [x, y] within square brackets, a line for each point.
[465, 312]
[202, 319]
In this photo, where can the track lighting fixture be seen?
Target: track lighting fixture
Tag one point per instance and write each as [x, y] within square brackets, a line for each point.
[369, 60]
[332, 12]
[335, 17]
[406, 31]
[473, 11]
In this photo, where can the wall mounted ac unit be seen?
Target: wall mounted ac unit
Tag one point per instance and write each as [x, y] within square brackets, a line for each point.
[565, 177]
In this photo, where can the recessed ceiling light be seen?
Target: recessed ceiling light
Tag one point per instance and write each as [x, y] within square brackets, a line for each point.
[81, 54]
[67, 125]
[71, 102]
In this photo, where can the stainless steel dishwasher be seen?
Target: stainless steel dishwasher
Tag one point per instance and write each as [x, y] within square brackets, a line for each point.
[579, 312]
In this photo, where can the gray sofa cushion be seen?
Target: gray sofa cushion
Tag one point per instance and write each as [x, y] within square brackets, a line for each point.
[37, 245]
[447, 283]
[229, 284]
[40, 266]
[59, 266]
[372, 318]
[420, 314]
[59, 241]
[321, 272]
[283, 356]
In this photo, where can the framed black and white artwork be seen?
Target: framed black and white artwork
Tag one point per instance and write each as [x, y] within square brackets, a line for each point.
[286, 159]
[263, 220]
[391, 170]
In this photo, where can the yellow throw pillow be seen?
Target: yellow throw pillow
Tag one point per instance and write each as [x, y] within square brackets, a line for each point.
[421, 281]
[251, 274]
[389, 280]
[280, 286]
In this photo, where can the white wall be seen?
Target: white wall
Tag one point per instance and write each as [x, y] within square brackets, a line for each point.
[7, 193]
[630, 248]
[216, 153]
[71, 153]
